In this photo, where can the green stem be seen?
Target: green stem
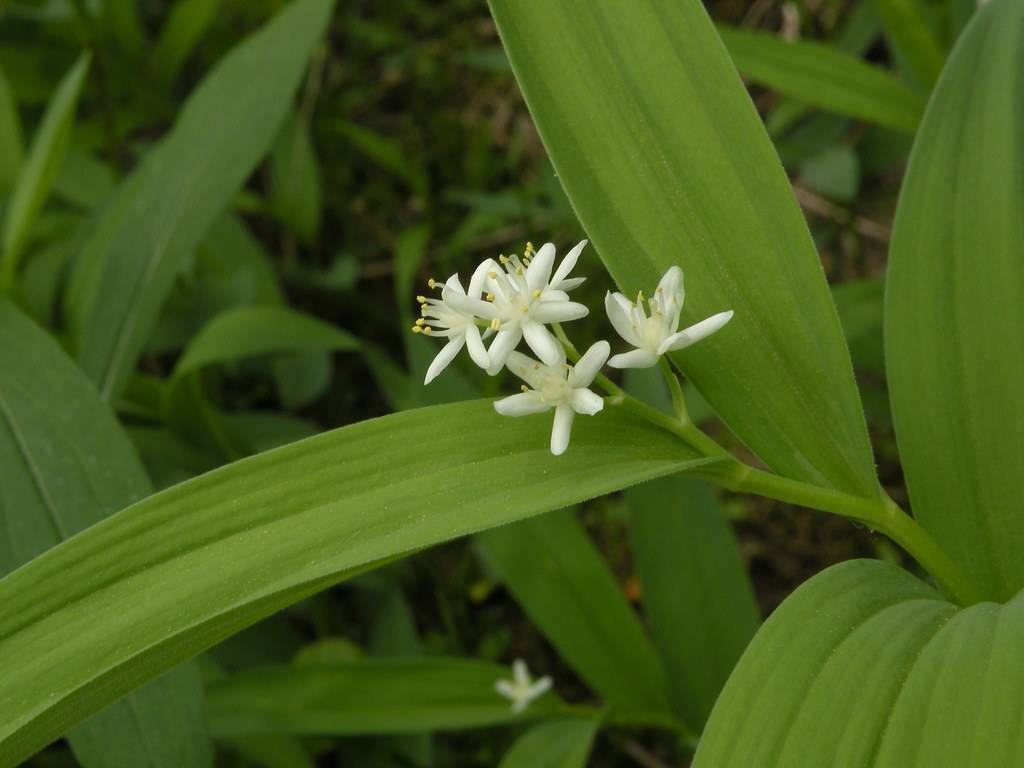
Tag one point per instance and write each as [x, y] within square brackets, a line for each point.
[678, 401]
[881, 514]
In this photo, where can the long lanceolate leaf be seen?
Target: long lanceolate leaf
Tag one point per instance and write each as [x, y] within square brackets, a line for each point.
[65, 464]
[866, 667]
[217, 553]
[666, 162]
[165, 207]
[826, 77]
[955, 306]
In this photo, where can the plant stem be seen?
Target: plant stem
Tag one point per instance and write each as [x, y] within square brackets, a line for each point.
[880, 514]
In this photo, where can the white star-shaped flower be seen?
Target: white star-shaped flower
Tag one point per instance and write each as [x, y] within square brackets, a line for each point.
[526, 297]
[454, 317]
[521, 689]
[656, 334]
[558, 386]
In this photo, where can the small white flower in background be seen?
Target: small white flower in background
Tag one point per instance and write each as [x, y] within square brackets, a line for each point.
[558, 386]
[656, 334]
[526, 297]
[454, 316]
[521, 689]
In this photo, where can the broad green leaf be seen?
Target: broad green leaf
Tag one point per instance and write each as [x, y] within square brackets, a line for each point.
[217, 553]
[696, 594]
[909, 31]
[824, 76]
[11, 150]
[39, 169]
[866, 667]
[83, 180]
[296, 195]
[562, 583]
[185, 25]
[666, 162]
[555, 744]
[162, 211]
[65, 464]
[359, 698]
[955, 306]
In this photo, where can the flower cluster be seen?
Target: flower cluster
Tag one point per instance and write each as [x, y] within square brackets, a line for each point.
[515, 299]
[522, 689]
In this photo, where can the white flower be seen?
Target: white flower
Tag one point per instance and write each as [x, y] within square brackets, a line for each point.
[453, 316]
[559, 386]
[525, 297]
[655, 335]
[521, 689]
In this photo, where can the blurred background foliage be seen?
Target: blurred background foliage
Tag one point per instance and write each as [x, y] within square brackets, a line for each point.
[409, 153]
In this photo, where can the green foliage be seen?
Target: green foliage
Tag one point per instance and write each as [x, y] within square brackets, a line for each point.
[656, 146]
[164, 208]
[558, 744]
[953, 306]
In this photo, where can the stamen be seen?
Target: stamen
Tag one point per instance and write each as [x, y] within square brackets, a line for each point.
[489, 297]
[427, 330]
[421, 299]
[503, 259]
[496, 324]
[536, 293]
[432, 283]
[524, 388]
[421, 321]
[417, 329]
[493, 275]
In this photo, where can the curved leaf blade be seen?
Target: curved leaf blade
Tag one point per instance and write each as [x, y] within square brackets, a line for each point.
[219, 552]
[558, 744]
[955, 305]
[65, 464]
[163, 210]
[40, 168]
[824, 76]
[665, 161]
[371, 697]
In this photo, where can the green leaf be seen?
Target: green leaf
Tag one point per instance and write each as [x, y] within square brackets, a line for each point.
[184, 28]
[162, 211]
[386, 153]
[369, 697]
[556, 744]
[296, 194]
[65, 464]
[955, 306]
[865, 667]
[560, 579]
[665, 161]
[11, 149]
[217, 553]
[40, 167]
[860, 310]
[696, 593]
[824, 76]
[909, 31]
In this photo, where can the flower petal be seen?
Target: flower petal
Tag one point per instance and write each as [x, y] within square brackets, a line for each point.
[586, 402]
[543, 343]
[522, 404]
[638, 358]
[695, 332]
[539, 688]
[469, 305]
[562, 428]
[453, 284]
[671, 282]
[521, 673]
[618, 308]
[557, 311]
[539, 272]
[589, 365]
[506, 340]
[476, 347]
[445, 356]
[478, 281]
[504, 687]
[526, 368]
[567, 284]
[569, 262]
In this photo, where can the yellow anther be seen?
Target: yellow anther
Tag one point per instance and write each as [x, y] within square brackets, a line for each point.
[536, 293]
[639, 297]
[524, 388]
[427, 330]
[420, 321]
[421, 299]
[503, 259]
[489, 297]
[495, 324]
[519, 270]
[416, 329]
[536, 366]
[529, 248]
